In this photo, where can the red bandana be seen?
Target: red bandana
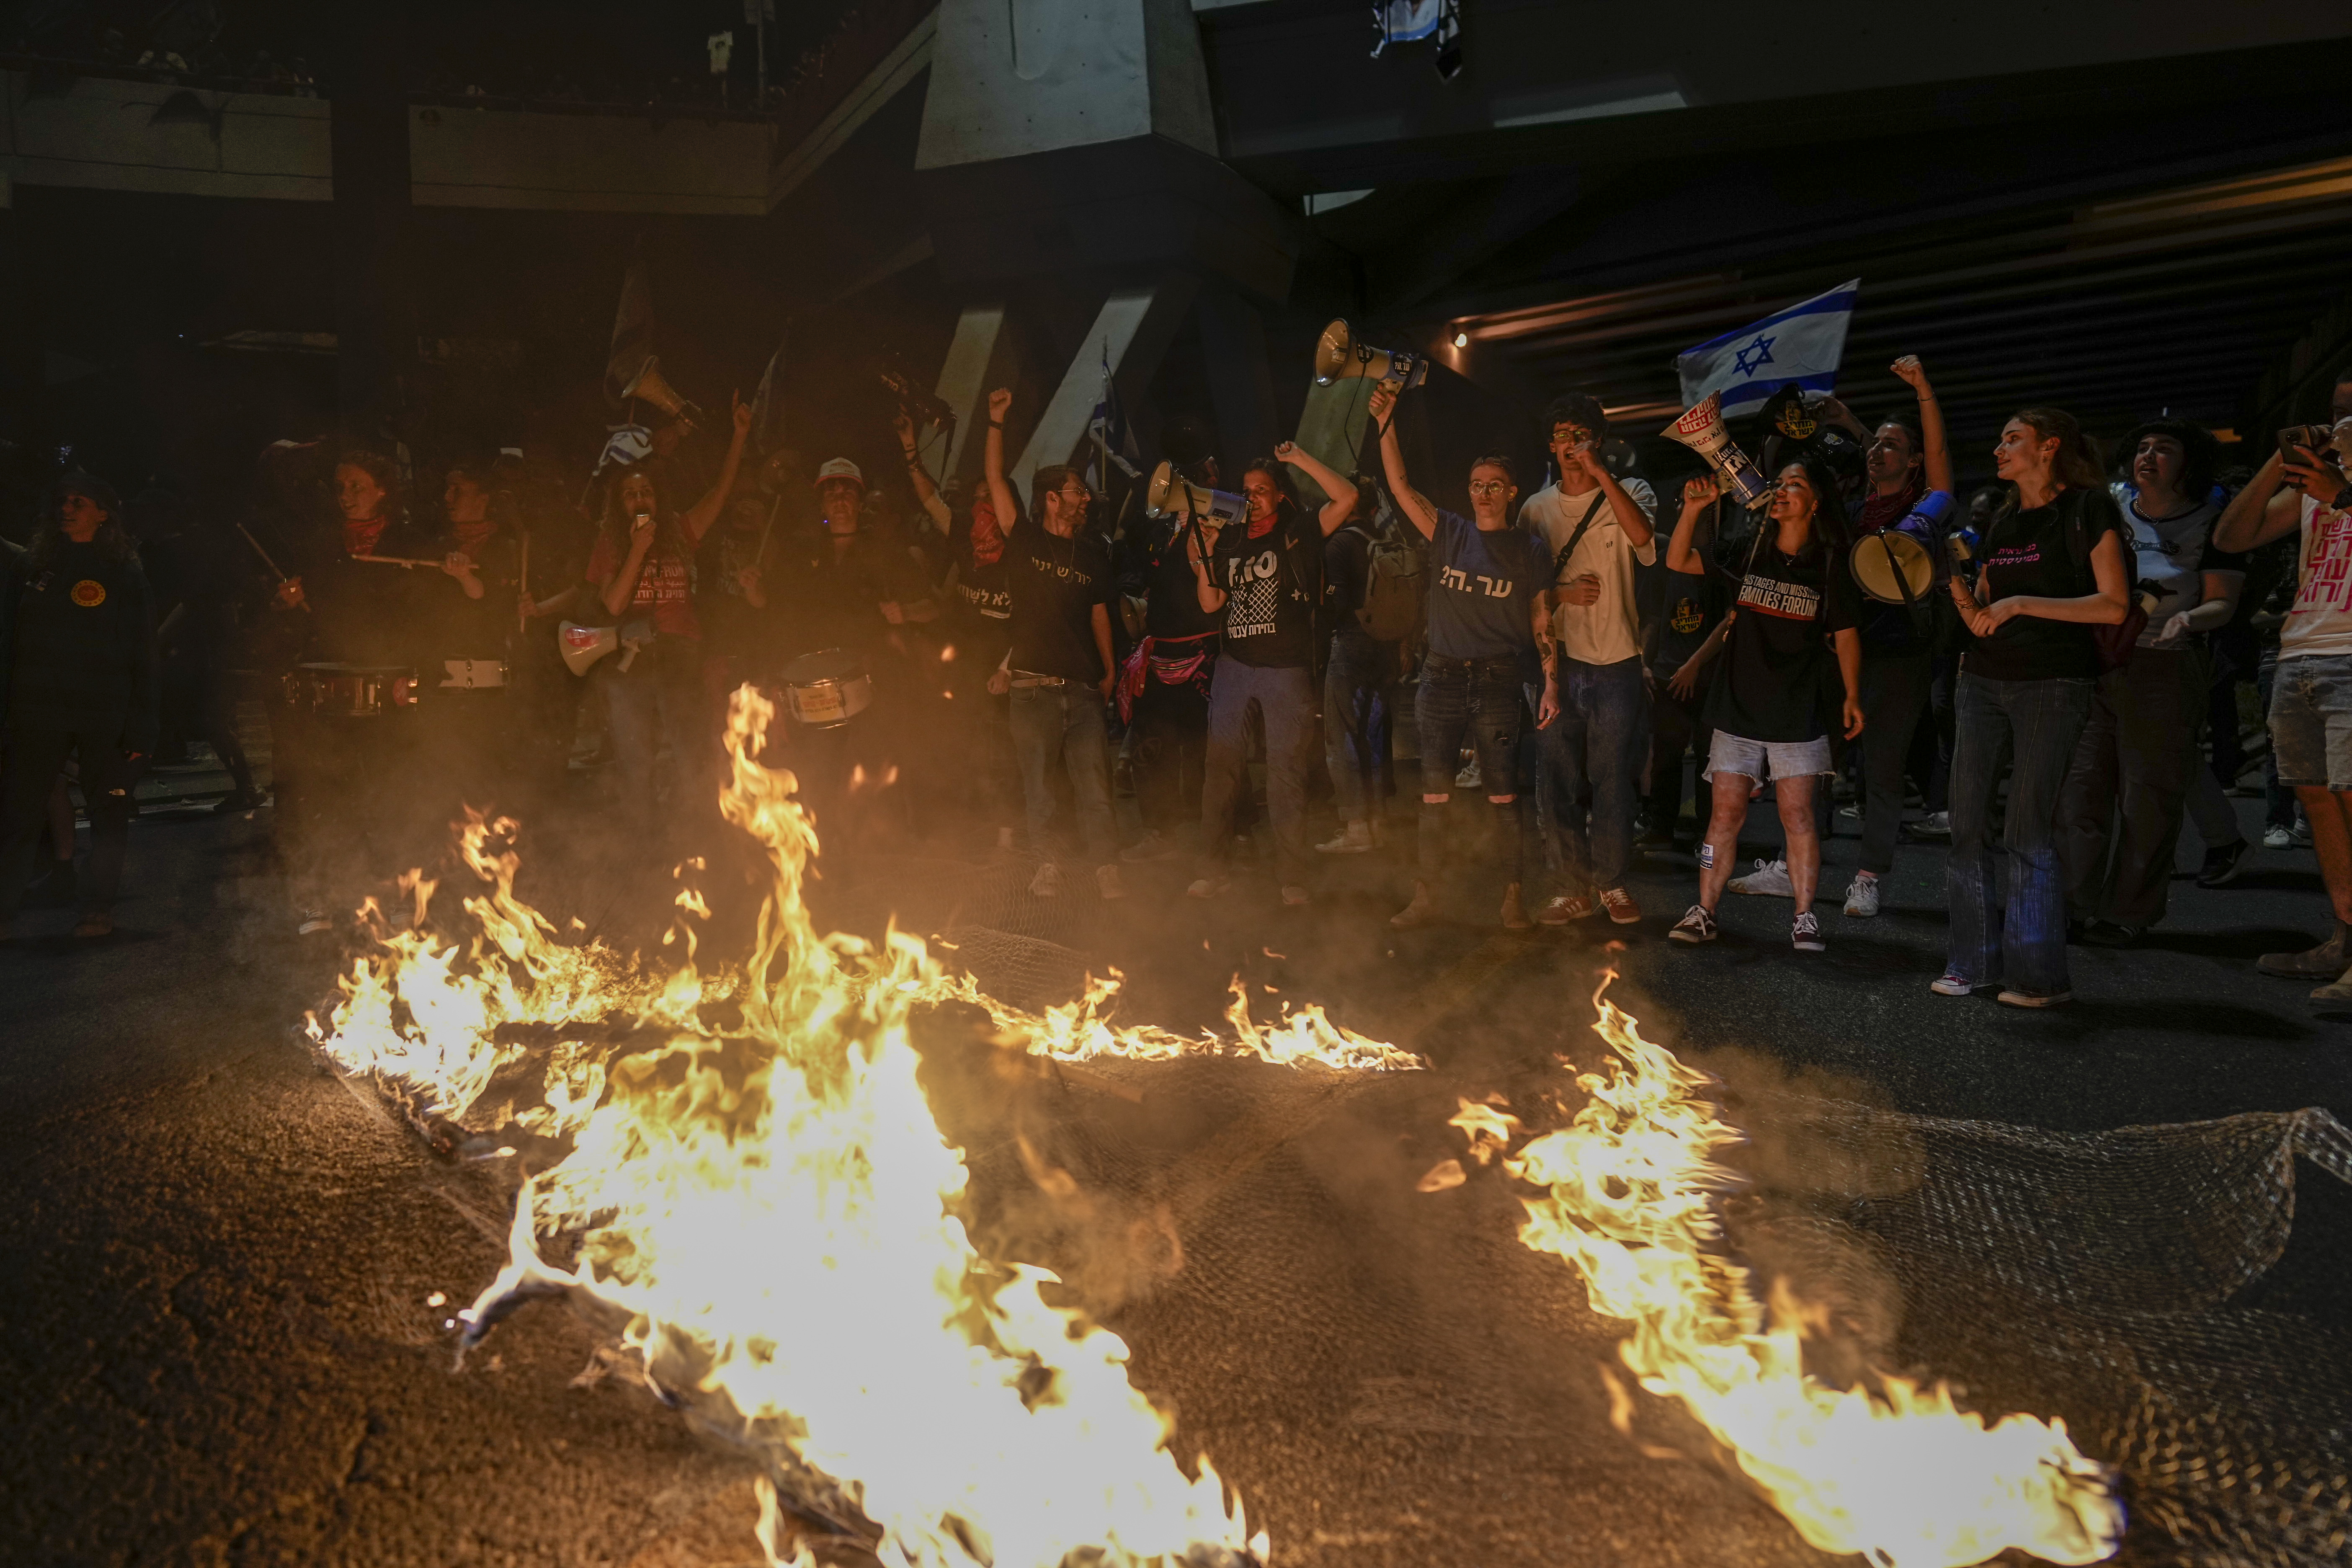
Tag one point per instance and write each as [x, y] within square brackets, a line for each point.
[360, 538]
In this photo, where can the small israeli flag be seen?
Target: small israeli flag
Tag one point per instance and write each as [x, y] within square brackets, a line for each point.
[1804, 345]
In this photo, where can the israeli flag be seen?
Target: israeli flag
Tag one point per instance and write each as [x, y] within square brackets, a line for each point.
[1803, 344]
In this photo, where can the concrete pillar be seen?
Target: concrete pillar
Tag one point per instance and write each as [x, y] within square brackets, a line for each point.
[375, 329]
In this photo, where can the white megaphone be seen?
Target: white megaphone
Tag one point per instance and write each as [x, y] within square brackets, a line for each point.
[1701, 429]
[584, 645]
[1340, 357]
[648, 386]
[1168, 496]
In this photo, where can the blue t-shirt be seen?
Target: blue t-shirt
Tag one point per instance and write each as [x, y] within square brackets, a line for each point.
[1482, 589]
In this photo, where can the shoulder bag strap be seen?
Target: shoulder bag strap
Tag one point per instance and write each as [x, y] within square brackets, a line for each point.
[1559, 561]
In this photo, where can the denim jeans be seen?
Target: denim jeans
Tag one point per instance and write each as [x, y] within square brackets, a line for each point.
[1358, 722]
[1065, 722]
[1594, 744]
[1479, 700]
[2032, 727]
[2120, 811]
[1285, 699]
[659, 697]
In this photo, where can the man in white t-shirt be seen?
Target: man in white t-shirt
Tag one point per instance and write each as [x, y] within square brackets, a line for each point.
[2311, 696]
[1598, 529]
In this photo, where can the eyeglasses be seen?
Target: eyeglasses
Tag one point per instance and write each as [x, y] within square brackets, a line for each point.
[1488, 487]
[1077, 495]
[1576, 434]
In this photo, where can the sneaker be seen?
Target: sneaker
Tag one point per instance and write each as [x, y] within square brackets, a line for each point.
[1697, 924]
[1296, 897]
[1953, 984]
[242, 800]
[2300, 834]
[1935, 824]
[1107, 884]
[310, 922]
[1514, 913]
[1047, 882]
[2009, 998]
[1621, 906]
[2325, 961]
[1861, 898]
[1805, 933]
[1152, 846]
[1470, 777]
[1648, 831]
[1415, 913]
[2223, 864]
[1562, 907]
[1353, 838]
[2111, 933]
[1768, 880]
[97, 922]
[2277, 838]
[1205, 888]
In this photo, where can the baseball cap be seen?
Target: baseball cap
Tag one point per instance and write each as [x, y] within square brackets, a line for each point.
[840, 468]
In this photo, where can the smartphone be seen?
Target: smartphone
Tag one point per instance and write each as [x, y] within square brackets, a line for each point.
[2313, 436]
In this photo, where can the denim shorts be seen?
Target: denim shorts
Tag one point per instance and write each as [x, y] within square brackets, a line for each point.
[1760, 760]
[2311, 721]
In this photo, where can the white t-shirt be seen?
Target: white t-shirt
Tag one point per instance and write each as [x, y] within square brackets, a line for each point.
[2320, 624]
[1609, 631]
[2173, 554]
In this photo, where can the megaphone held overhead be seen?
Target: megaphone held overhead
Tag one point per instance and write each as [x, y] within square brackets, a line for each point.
[648, 386]
[1169, 496]
[1701, 429]
[1340, 357]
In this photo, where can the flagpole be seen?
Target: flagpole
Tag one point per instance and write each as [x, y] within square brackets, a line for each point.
[1102, 426]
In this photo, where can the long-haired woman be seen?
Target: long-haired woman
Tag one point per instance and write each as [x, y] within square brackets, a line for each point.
[1792, 620]
[2052, 569]
[81, 681]
[642, 570]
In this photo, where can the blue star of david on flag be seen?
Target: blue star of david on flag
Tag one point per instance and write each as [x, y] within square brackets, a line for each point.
[1802, 344]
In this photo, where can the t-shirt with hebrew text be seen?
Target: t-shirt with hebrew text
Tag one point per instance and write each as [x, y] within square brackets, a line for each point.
[1269, 613]
[2319, 624]
[665, 589]
[1482, 588]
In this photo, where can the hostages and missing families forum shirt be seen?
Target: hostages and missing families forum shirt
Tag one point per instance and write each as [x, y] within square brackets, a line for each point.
[1777, 661]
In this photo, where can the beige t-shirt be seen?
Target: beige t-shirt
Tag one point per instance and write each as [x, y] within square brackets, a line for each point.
[2320, 624]
[1608, 630]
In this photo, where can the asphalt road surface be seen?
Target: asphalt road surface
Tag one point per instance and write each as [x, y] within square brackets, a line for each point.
[219, 1341]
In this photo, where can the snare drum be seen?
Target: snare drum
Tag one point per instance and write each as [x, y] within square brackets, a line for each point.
[826, 690]
[351, 690]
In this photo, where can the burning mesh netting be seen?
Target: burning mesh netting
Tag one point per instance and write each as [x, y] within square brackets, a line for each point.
[1333, 1326]
[2098, 1277]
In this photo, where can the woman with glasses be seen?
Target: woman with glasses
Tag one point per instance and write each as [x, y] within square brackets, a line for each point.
[1266, 576]
[1489, 619]
[1792, 621]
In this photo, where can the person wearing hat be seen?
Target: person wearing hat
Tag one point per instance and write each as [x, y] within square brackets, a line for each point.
[76, 625]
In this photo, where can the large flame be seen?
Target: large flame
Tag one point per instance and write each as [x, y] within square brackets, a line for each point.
[1895, 1470]
[772, 1209]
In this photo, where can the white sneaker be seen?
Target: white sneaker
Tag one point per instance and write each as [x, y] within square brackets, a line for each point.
[2277, 838]
[1204, 888]
[1768, 880]
[1861, 898]
[312, 923]
[1295, 896]
[1470, 777]
[1047, 882]
[1935, 824]
[1106, 882]
[1354, 838]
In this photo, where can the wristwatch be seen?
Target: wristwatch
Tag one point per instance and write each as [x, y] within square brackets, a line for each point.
[2343, 502]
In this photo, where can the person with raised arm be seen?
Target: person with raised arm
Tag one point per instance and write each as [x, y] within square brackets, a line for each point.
[1059, 665]
[1265, 575]
[1490, 628]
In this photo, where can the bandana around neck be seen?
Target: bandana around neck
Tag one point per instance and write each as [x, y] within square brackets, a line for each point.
[360, 538]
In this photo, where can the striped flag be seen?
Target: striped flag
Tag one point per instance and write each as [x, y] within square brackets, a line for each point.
[1804, 345]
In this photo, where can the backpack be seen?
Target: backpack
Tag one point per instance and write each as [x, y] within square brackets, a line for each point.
[1396, 587]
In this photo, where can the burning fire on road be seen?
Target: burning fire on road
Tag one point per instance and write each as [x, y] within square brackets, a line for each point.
[750, 1181]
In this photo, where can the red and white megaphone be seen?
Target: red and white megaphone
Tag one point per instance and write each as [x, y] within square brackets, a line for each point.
[582, 645]
[1701, 429]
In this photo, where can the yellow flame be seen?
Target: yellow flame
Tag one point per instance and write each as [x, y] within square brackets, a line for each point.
[773, 1211]
[1897, 1470]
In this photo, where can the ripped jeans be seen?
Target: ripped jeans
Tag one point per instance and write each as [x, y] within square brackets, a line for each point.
[1479, 701]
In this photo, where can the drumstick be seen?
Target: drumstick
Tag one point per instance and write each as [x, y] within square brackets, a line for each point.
[266, 560]
[410, 562]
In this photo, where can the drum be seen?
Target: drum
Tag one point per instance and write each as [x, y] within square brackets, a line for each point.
[1885, 564]
[474, 674]
[827, 689]
[351, 690]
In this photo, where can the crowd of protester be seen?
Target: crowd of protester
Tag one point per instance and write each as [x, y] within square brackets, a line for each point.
[2054, 680]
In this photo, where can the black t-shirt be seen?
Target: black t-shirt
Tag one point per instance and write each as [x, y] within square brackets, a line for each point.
[1774, 666]
[732, 626]
[1269, 609]
[978, 601]
[2028, 553]
[1171, 604]
[834, 598]
[1689, 606]
[1056, 582]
